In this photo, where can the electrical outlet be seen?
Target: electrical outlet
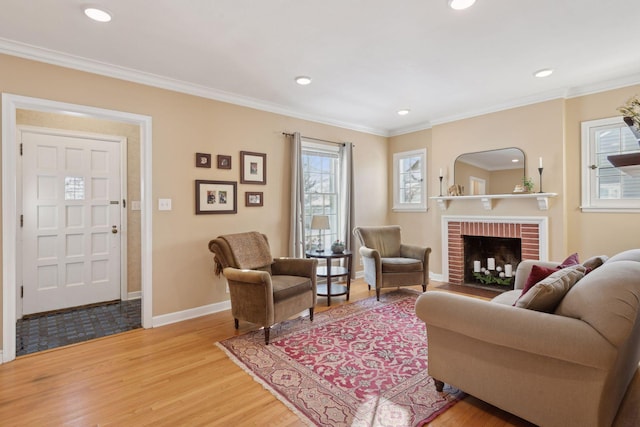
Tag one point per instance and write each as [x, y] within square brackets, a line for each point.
[164, 204]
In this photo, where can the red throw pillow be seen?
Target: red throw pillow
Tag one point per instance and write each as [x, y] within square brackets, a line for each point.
[537, 274]
[571, 260]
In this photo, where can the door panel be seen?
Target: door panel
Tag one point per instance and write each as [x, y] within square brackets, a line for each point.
[71, 208]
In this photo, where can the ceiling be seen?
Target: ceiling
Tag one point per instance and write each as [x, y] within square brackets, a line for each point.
[367, 58]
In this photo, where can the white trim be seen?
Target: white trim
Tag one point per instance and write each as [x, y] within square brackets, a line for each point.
[36, 53]
[40, 54]
[541, 221]
[192, 313]
[134, 295]
[10, 103]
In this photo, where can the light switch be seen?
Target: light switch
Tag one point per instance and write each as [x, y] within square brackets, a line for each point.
[164, 204]
[135, 205]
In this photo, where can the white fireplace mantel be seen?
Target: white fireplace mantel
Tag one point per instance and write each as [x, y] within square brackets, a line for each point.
[487, 200]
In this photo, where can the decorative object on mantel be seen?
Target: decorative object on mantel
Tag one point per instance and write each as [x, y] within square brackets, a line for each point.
[540, 169]
[440, 176]
[527, 184]
[337, 247]
[456, 190]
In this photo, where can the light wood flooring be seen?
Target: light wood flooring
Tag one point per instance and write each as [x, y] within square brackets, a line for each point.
[170, 376]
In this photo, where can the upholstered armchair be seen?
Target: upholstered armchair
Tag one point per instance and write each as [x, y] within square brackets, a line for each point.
[390, 263]
[263, 290]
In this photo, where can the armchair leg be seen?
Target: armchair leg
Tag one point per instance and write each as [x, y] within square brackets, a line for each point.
[236, 323]
[378, 294]
[267, 329]
[311, 314]
[424, 288]
[439, 384]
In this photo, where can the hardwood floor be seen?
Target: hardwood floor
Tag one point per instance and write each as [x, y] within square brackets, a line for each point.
[171, 375]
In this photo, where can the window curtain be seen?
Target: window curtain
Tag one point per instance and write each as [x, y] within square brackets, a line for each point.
[296, 226]
[347, 197]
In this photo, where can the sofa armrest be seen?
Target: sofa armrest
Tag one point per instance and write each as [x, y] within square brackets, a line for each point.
[544, 334]
[295, 267]
[524, 269]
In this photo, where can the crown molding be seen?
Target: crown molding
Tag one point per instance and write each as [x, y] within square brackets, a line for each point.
[53, 57]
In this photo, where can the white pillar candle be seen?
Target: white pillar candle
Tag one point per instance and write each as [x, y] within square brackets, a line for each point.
[491, 263]
[440, 172]
[476, 266]
[508, 270]
[540, 162]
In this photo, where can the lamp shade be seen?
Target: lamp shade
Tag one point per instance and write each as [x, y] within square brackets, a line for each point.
[320, 222]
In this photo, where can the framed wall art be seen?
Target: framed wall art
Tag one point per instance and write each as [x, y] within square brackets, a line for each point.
[224, 162]
[253, 168]
[203, 160]
[216, 197]
[253, 198]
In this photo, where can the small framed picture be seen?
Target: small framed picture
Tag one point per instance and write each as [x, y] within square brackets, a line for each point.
[253, 198]
[216, 197]
[224, 162]
[203, 160]
[253, 168]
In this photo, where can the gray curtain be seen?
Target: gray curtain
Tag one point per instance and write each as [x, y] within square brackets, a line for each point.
[347, 197]
[296, 224]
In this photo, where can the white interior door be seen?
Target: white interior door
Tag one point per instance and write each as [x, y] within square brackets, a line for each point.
[71, 197]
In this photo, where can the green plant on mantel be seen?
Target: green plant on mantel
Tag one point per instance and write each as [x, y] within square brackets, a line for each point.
[527, 183]
[632, 110]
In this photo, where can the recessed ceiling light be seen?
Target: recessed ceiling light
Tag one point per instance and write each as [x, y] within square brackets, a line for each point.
[545, 72]
[303, 80]
[461, 4]
[515, 160]
[96, 14]
[404, 112]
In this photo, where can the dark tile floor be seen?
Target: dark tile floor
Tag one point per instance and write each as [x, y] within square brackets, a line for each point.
[51, 330]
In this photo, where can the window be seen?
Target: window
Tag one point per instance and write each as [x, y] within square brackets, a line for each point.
[321, 174]
[409, 184]
[603, 186]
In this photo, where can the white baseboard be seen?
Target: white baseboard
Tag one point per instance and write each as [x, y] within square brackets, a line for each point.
[436, 277]
[192, 313]
[134, 295]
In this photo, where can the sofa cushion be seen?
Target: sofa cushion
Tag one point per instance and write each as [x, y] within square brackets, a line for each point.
[547, 294]
[608, 299]
[572, 259]
[594, 262]
[401, 265]
[538, 273]
[289, 286]
[630, 255]
[507, 298]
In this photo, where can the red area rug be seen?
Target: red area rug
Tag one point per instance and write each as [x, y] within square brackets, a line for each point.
[360, 364]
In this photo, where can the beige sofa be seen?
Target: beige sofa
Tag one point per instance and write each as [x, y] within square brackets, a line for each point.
[570, 367]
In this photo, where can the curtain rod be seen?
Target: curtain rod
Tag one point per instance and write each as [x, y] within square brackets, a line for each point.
[315, 139]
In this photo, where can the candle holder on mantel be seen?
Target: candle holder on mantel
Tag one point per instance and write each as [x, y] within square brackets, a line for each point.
[540, 172]
[441, 185]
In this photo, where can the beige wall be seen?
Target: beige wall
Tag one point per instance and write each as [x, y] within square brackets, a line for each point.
[183, 125]
[594, 233]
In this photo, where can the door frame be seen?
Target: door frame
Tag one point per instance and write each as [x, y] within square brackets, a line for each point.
[11, 103]
[124, 229]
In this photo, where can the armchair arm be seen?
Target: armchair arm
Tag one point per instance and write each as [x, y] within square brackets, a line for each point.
[544, 334]
[295, 267]
[415, 252]
[372, 266]
[247, 276]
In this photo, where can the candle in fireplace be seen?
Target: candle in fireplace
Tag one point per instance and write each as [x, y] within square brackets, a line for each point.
[491, 263]
[508, 270]
[476, 266]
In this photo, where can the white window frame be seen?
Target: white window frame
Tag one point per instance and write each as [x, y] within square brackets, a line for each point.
[590, 200]
[410, 207]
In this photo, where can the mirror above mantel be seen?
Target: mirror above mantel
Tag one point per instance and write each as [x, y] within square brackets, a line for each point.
[490, 172]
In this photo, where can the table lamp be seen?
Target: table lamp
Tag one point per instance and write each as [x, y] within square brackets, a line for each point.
[320, 222]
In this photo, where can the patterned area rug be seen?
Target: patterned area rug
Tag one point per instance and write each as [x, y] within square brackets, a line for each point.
[360, 364]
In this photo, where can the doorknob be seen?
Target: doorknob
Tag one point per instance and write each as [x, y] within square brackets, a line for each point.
[114, 229]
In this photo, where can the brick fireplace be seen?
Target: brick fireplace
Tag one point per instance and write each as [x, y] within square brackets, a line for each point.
[532, 232]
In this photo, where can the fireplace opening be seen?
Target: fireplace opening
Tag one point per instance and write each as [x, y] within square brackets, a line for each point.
[491, 262]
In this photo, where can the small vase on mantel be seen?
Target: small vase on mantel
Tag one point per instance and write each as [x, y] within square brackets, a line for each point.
[337, 247]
